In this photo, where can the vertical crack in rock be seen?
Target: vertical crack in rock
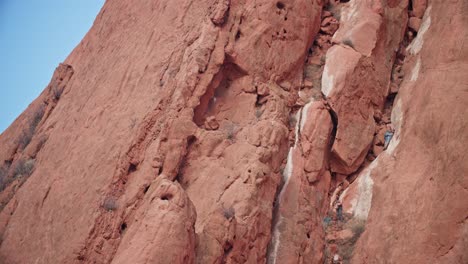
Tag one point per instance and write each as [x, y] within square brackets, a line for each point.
[334, 119]
[237, 159]
[346, 156]
[346, 219]
[301, 196]
[277, 218]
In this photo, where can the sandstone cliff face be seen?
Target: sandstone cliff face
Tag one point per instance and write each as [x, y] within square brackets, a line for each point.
[247, 132]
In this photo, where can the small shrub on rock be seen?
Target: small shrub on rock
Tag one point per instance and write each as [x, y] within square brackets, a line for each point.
[229, 212]
[57, 92]
[348, 42]
[110, 203]
[357, 227]
[28, 133]
[3, 177]
[23, 168]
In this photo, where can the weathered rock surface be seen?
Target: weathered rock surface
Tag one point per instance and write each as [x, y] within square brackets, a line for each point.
[356, 79]
[167, 210]
[297, 233]
[247, 132]
[146, 76]
[418, 195]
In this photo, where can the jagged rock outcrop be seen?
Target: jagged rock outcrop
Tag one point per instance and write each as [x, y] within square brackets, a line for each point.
[417, 187]
[297, 233]
[222, 131]
[146, 78]
[356, 76]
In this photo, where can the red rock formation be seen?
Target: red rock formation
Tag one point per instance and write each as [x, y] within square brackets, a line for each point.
[418, 212]
[203, 132]
[356, 79]
[166, 210]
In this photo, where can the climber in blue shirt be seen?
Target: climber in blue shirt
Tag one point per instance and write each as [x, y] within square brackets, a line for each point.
[387, 137]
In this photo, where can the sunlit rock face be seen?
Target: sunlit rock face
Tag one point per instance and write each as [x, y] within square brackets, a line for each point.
[226, 131]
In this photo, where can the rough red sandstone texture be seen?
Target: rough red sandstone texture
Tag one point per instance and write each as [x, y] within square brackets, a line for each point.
[202, 132]
[356, 75]
[166, 211]
[418, 210]
[145, 78]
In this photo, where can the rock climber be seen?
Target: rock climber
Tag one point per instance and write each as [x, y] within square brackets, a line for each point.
[336, 259]
[387, 137]
[339, 211]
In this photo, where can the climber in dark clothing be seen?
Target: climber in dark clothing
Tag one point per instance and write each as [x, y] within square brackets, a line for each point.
[339, 212]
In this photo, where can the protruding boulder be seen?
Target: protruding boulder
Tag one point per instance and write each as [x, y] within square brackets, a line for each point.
[419, 7]
[414, 23]
[163, 229]
[297, 232]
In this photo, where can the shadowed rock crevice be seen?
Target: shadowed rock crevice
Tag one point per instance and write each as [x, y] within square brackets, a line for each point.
[347, 221]
[205, 112]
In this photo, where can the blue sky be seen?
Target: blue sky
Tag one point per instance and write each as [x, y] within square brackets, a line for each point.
[35, 36]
